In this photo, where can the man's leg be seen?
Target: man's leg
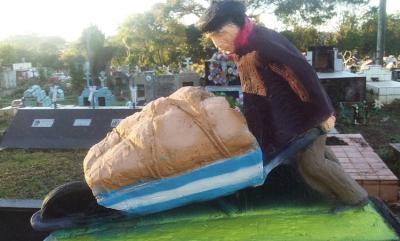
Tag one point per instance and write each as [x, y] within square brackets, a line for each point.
[327, 176]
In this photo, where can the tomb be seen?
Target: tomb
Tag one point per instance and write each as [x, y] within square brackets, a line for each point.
[341, 85]
[100, 97]
[379, 81]
[35, 96]
[151, 86]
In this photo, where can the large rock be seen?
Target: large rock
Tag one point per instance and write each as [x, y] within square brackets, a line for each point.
[173, 135]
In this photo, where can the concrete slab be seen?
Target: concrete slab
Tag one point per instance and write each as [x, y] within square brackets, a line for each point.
[20, 203]
[339, 75]
[15, 220]
[384, 84]
[77, 128]
[387, 91]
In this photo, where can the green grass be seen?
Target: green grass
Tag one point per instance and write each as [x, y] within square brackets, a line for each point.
[32, 174]
[70, 100]
[6, 101]
[5, 121]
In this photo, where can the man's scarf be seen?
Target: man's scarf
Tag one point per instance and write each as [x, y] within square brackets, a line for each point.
[243, 35]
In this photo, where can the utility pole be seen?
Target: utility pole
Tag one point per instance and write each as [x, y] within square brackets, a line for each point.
[380, 43]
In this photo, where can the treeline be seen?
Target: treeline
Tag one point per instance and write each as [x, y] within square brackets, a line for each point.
[355, 33]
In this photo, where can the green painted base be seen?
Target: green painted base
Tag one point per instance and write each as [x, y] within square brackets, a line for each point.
[283, 209]
[272, 221]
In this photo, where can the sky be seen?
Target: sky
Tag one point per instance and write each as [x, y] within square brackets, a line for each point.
[67, 18]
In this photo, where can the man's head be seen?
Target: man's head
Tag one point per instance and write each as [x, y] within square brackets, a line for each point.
[222, 22]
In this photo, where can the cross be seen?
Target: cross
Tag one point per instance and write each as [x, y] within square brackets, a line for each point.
[187, 62]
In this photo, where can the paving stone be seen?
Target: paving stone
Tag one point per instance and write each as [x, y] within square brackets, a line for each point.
[360, 161]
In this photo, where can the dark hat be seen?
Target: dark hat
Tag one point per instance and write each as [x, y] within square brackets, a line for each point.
[221, 13]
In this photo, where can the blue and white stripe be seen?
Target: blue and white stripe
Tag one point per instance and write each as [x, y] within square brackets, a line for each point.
[208, 182]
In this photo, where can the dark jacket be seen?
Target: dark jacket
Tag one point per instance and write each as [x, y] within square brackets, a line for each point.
[283, 97]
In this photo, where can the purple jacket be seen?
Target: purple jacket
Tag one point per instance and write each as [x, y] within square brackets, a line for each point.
[283, 97]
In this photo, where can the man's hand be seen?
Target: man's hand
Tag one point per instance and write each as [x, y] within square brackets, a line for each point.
[328, 124]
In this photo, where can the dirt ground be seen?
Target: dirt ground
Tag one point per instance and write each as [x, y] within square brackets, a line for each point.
[382, 127]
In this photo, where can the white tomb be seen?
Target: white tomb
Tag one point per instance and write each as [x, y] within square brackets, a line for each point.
[379, 80]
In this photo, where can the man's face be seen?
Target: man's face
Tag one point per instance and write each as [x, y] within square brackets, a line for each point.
[224, 39]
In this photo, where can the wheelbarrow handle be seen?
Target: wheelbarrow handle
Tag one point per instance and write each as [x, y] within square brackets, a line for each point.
[292, 149]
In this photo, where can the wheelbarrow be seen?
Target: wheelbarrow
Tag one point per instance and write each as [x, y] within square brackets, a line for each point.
[73, 204]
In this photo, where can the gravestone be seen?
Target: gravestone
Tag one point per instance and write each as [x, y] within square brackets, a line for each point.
[164, 86]
[151, 86]
[149, 82]
[187, 79]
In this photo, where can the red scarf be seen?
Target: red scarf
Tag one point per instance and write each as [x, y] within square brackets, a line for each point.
[243, 35]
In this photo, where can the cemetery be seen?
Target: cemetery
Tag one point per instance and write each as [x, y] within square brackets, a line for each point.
[41, 125]
[156, 147]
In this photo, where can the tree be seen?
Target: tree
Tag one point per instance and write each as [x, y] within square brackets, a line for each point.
[77, 76]
[313, 12]
[199, 47]
[93, 44]
[349, 33]
[47, 54]
[39, 50]
[368, 29]
[303, 37]
[179, 8]
[393, 34]
[359, 32]
[153, 38]
[369, 33]
[74, 61]
[8, 54]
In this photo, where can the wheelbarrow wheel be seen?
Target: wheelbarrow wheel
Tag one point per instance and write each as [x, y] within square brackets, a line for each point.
[71, 205]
